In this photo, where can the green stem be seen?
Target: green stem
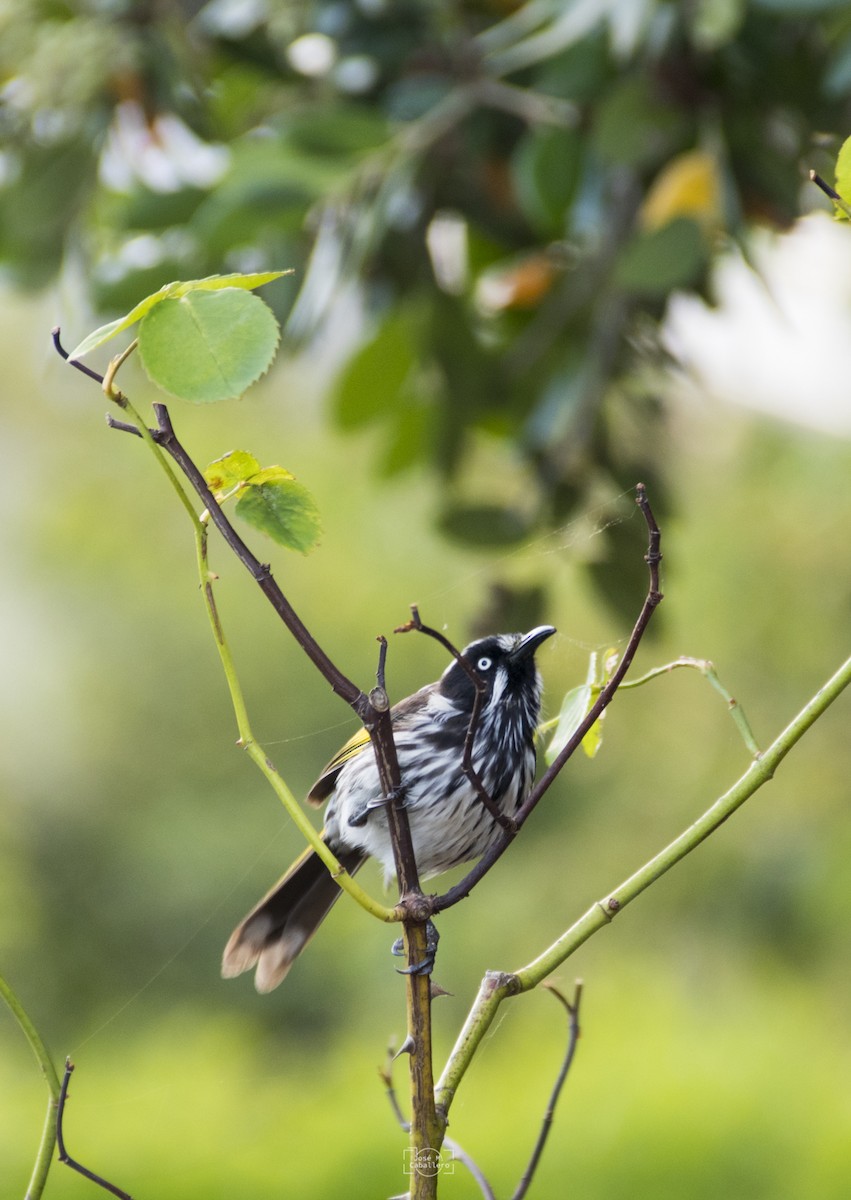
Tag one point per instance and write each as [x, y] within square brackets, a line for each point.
[44, 1157]
[497, 986]
[159, 455]
[256, 752]
[707, 670]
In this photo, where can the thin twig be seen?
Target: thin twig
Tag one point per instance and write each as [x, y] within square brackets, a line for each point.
[165, 436]
[572, 1009]
[707, 670]
[653, 598]
[380, 671]
[831, 192]
[75, 363]
[380, 729]
[65, 1157]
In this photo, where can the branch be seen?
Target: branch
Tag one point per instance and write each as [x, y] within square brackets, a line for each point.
[165, 437]
[414, 909]
[381, 732]
[65, 1157]
[654, 597]
[255, 751]
[497, 986]
[377, 723]
[831, 192]
[75, 363]
[707, 670]
[48, 1136]
[376, 720]
[547, 1121]
[260, 572]
[386, 1075]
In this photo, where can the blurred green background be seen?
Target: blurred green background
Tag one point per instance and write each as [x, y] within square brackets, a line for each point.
[716, 1044]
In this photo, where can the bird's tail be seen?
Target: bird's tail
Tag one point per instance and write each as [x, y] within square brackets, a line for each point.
[276, 931]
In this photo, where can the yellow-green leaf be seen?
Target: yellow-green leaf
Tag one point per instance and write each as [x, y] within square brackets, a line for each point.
[843, 180]
[169, 290]
[230, 471]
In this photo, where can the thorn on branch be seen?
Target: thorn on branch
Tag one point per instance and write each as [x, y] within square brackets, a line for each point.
[407, 1047]
[64, 1156]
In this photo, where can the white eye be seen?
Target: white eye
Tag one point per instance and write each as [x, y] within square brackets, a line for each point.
[484, 664]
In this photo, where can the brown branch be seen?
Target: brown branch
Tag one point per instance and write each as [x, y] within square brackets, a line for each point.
[549, 1112]
[261, 573]
[458, 1154]
[653, 598]
[75, 363]
[64, 1156]
[374, 711]
[379, 725]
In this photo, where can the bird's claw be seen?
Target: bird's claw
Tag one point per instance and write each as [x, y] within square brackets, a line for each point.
[427, 965]
[396, 796]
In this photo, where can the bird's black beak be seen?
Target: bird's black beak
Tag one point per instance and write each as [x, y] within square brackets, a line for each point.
[530, 642]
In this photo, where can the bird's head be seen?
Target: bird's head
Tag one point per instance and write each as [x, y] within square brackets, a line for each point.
[505, 663]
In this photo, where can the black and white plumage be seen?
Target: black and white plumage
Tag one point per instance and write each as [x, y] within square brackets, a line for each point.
[449, 824]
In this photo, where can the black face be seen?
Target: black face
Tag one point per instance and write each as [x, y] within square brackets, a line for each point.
[504, 662]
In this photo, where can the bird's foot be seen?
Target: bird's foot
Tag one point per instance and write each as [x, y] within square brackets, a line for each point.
[396, 797]
[427, 965]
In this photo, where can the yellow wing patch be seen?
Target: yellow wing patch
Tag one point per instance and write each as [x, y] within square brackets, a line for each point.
[326, 782]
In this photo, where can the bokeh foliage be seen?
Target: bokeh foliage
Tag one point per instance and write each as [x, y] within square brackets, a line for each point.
[513, 190]
[133, 833]
[498, 405]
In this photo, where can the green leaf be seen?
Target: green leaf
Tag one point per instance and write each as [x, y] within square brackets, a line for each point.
[544, 173]
[652, 264]
[374, 377]
[105, 332]
[225, 474]
[168, 291]
[593, 739]
[843, 176]
[208, 345]
[636, 127]
[574, 706]
[714, 23]
[278, 505]
[338, 129]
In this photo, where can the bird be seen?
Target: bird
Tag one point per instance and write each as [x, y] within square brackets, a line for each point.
[449, 823]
